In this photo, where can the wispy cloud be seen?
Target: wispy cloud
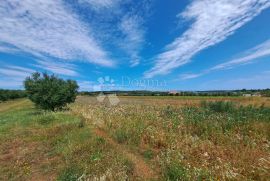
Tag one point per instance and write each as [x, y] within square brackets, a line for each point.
[259, 51]
[249, 56]
[61, 68]
[86, 85]
[16, 72]
[121, 24]
[101, 4]
[7, 49]
[131, 27]
[189, 76]
[212, 22]
[62, 30]
[13, 76]
[49, 28]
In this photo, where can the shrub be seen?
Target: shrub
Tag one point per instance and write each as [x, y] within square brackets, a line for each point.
[49, 92]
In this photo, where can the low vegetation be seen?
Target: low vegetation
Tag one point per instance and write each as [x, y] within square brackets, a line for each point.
[139, 139]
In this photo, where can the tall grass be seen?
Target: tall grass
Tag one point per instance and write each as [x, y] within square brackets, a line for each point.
[202, 138]
[210, 141]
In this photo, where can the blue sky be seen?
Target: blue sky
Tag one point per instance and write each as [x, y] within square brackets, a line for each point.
[144, 44]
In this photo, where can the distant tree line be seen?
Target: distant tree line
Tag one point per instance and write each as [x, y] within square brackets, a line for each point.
[266, 93]
[6, 95]
[262, 92]
[126, 93]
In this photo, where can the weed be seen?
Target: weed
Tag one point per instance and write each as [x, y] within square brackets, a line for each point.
[121, 136]
[46, 118]
[81, 123]
[97, 156]
[129, 166]
[71, 173]
[148, 154]
[219, 106]
[176, 172]
[100, 141]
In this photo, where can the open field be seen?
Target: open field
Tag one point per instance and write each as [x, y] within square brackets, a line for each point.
[190, 100]
[142, 138]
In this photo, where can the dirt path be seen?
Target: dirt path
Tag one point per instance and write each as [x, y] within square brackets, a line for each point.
[141, 169]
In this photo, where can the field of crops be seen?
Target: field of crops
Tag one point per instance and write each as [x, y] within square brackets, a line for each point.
[142, 138]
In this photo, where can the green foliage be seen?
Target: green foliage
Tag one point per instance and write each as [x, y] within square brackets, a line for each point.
[100, 140]
[171, 114]
[6, 95]
[222, 117]
[121, 136]
[148, 154]
[266, 93]
[70, 174]
[219, 106]
[46, 118]
[50, 92]
[97, 156]
[176, 172]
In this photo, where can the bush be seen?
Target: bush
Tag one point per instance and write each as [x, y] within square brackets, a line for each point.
[50, 92]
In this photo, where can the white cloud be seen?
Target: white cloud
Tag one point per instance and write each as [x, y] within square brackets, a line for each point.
[61, 68]
[100, 4]
[7, 49]
[86, 85]
[250, 55]
[131, 27]
[121, 26]
[49, 28]
[259, 51]
[16, 72]
[212, 22]
[12, 77]
[189, 76]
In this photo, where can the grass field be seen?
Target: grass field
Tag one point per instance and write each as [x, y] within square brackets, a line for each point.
[142, 138]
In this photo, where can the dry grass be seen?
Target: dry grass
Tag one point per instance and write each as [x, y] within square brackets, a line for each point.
[38, 145]
[186, 141]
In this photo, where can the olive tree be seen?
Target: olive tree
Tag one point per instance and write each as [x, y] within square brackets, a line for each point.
[49, 92]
